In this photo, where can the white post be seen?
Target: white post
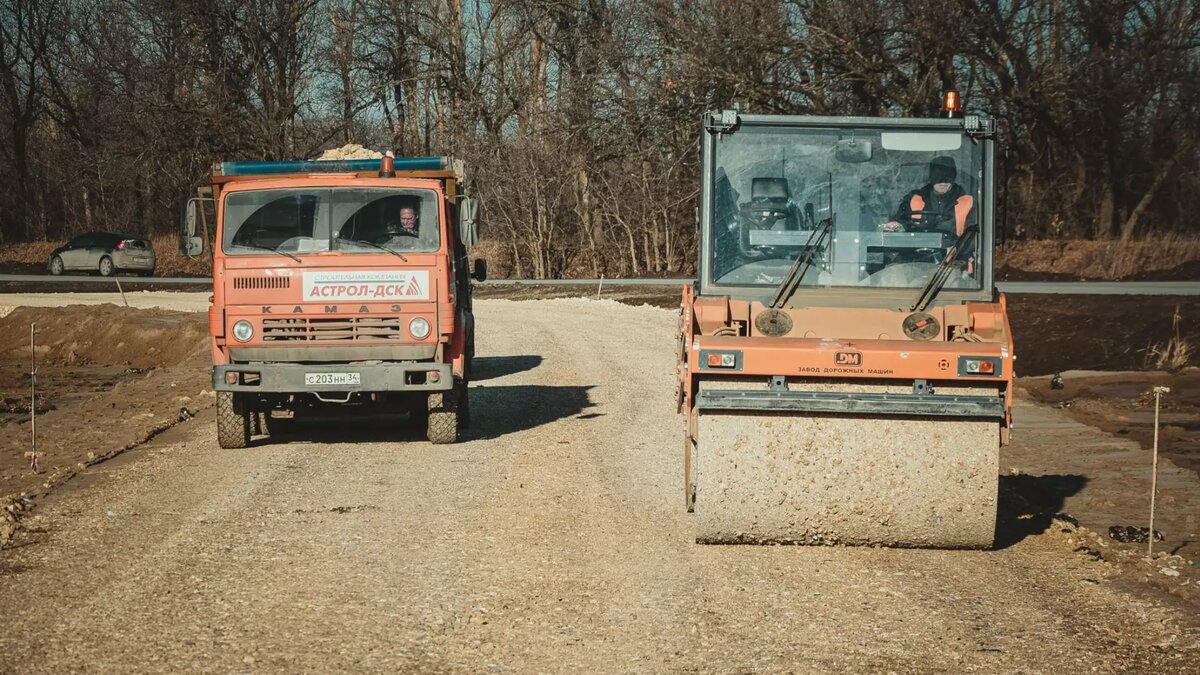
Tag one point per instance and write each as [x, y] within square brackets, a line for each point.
[33, 456]
[121, 291]
[1158, 392]
[600, 287]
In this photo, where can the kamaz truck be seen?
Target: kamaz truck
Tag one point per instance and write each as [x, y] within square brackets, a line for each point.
[338, 287]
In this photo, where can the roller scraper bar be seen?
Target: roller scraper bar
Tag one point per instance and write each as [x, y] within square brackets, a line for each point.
[978, 407]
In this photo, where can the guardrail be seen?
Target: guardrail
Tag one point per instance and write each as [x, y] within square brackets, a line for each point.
[1014, 287]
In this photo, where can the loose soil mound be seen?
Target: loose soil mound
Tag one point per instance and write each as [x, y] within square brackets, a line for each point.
[351, 151]
[102, 335]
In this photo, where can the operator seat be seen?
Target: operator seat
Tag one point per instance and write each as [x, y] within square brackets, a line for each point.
[770, 206]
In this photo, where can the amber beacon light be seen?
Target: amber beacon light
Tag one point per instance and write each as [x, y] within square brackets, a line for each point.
[951, 104]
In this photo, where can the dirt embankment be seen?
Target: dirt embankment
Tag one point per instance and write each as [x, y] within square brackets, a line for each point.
[1123, 404]
[108, 378]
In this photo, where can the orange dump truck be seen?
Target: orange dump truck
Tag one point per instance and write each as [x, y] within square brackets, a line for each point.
[338, 286]
[846, 363]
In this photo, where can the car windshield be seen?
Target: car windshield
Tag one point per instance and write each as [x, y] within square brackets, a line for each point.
[897, 200]
[310, 220]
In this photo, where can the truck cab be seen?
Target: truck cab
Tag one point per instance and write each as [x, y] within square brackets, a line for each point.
[338, 283]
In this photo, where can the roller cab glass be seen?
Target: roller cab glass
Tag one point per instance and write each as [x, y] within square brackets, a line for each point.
[299, 221]
[895, 200]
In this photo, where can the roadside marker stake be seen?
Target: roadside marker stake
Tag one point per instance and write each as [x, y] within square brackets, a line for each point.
[1158, 392]
[121, 291]
[33, 455]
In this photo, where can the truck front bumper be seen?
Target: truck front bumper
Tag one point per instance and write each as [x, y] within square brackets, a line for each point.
[298, 378]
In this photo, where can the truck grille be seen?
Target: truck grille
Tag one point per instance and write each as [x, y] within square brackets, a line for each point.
[262, 282]
[358, 329]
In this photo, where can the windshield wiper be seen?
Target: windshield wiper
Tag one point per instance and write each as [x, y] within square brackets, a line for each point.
[268, 248]
[792, 280]
[374, 245]
[939, 276]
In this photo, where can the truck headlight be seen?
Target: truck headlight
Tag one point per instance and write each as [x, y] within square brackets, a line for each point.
[243, 331]
[419, 328]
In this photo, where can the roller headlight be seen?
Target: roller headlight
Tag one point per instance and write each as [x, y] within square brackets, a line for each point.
[243, 331]
[419, 328]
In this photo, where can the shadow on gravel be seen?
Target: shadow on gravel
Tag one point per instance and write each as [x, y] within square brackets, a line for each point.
[500, 410]
[495, 411]
[489, 367]
[1028, 504]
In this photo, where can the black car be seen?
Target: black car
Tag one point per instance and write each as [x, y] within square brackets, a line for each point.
[104, 252]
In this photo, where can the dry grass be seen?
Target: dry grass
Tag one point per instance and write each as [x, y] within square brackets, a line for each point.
[1109, 260]
[1176, 354]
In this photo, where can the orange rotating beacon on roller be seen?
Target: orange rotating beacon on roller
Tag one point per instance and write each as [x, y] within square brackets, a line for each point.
[338, 285]
[846, 363]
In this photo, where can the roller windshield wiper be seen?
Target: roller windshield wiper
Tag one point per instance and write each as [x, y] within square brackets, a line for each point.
[374, 245]
[268, 248]
[939, 276]
[792, 280]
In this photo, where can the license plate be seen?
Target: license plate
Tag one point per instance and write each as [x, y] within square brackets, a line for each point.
[332, 379]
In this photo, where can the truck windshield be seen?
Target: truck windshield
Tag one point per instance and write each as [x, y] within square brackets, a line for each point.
[897, 200]
[310, 220]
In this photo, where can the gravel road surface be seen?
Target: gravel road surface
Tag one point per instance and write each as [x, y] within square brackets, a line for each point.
[552, 540]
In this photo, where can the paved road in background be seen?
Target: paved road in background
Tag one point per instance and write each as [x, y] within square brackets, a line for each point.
[1060, 287]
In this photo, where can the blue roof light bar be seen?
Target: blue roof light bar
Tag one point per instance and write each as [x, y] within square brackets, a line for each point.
[331, 166]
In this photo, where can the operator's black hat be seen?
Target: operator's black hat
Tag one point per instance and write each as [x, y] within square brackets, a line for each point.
[942, 170]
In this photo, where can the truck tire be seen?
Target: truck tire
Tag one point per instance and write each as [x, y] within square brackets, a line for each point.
[233, 423]
[444, 418]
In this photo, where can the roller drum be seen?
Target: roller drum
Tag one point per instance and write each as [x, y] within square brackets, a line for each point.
[777, 477]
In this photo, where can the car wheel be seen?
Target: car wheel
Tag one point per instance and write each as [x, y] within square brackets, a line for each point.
[106, 266]
[56, 266]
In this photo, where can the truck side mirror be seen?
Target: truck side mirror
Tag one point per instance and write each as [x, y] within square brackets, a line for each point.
[190, 244]
[480, 273]
[468, 221]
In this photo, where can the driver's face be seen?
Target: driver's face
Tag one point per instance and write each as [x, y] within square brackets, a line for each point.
[408, 218]
[941, 188]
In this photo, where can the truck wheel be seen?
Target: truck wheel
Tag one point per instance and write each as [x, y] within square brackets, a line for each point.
[233, 423]
[444, 419]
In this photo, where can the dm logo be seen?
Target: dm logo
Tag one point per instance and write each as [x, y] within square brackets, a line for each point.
[848, 359]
